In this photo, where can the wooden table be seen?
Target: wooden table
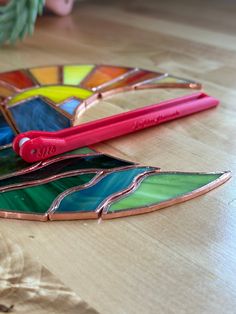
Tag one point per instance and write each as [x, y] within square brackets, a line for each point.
[181, 259]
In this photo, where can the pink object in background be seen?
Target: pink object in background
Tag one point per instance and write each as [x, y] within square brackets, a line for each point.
[60, 7]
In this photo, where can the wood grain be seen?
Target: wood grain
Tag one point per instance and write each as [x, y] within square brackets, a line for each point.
[181, 259]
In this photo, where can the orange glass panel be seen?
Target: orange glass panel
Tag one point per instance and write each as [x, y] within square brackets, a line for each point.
[103, 74]
[18, 79]
[47, 76]
[5, 92]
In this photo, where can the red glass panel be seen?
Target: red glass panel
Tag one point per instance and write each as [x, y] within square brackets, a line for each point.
[18, 79]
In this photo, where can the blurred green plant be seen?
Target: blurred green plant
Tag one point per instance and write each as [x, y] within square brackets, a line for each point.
[17, 19]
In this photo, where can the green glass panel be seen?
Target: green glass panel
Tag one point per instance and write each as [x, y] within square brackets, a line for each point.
[161, 187]
[89, 199]
[80, 151]
[10, 162]
[74, 74]
[56, 94]
[64, 166]
[168, 79]
[39, 198]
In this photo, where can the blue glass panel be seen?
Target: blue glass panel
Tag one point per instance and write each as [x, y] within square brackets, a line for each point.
[70, 106]
[6, 133]
[36, 114]
[90, 198]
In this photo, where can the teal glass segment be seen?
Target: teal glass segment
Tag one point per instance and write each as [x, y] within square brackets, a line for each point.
[70, 106]
[161, 187]
[38, 199]
[89, 199]
[63, 166]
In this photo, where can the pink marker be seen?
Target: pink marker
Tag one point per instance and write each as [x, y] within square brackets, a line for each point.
[34, 146]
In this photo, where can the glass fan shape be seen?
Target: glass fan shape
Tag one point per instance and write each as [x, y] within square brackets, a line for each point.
[82, 184]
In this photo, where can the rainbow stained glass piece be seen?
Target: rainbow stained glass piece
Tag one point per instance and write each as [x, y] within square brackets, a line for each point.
[46, 75]
[93, 197]
[163, 189]
[70, 106]
[5, 92]
[56, 94]
[103, 74]
[132, 79]
[37, 114]
[17, 79]
[6, 133]
[29, 202]
[64, 167]
[75, 74]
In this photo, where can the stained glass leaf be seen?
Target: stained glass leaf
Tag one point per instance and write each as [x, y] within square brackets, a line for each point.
[65, 166]
[94, 197]
[164, 189]
[28, 202]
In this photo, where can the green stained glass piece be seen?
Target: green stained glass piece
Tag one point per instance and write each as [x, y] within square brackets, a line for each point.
[30, 200]
[80, 151]
[10, 162]
[169, 79]
[161, 187]
[90, 198]
[63, 167]
[74, 74]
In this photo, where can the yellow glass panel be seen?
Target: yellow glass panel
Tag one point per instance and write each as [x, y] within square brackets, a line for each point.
[74, 74]
[5, 92]
[46, 76]
[57, 94]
